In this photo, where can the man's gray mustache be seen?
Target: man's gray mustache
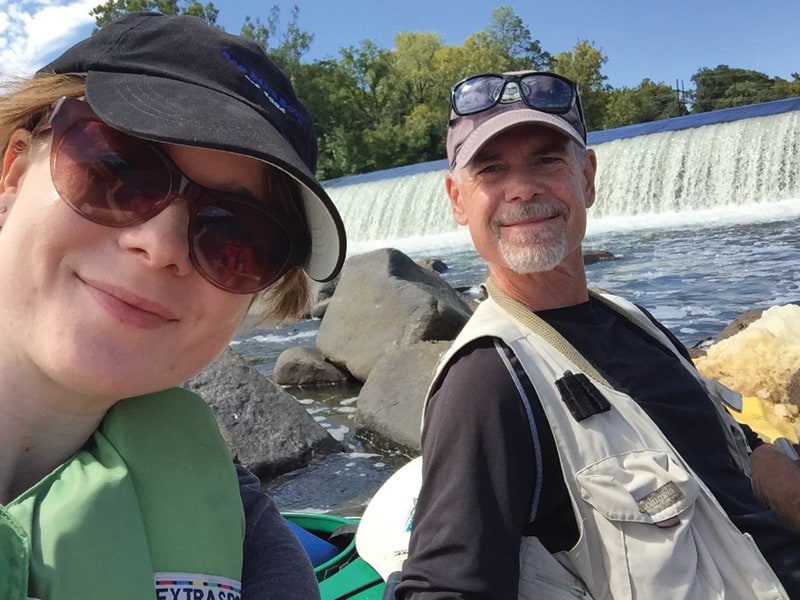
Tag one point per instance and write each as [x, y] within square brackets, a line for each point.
[531, 210]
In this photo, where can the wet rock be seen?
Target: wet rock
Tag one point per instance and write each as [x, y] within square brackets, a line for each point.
[591, 257]
[390, 402]
[739, 324]
[318, 310]
[700, 348]
[321, 291]
[433, 264]
[385, 301]
[265, 428]
[306, 366]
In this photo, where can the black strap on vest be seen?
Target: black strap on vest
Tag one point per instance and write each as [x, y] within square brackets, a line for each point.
[581, 397]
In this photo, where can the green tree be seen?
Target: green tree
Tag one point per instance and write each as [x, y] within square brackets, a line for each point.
[583, 65]
[724, 87]
[649, 102]
[660, 101]
[786, 89]
[347, 99]
[114, 9]
[286, 47]
[414, 56]
[623, 108]
[513, 38]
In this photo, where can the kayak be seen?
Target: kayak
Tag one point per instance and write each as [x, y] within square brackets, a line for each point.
[329, 541]
[353, 557]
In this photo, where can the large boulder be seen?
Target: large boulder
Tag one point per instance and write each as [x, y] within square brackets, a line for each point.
[385, 301]
[265, 428]
[390, 402]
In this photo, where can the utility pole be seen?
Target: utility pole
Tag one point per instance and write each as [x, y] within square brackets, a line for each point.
[680, 98]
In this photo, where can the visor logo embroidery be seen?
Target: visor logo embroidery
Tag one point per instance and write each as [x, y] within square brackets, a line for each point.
[278, 101]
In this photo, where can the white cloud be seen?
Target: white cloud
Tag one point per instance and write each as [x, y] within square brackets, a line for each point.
[31, 32]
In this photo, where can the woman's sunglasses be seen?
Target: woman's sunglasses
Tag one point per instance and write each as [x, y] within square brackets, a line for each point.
[118, 180]
[546, 92]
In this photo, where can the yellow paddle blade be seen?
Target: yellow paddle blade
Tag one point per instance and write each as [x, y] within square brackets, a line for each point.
[759, 416]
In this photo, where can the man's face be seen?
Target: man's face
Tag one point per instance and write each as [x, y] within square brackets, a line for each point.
[524, 198]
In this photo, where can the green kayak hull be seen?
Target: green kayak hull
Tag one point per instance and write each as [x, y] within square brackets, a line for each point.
[345, 576]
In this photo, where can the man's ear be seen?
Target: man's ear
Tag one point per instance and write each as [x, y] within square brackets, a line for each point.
[454, 193]
[15, 163]
[589, 172]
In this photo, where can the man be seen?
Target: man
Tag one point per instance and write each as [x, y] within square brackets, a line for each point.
[569, 447]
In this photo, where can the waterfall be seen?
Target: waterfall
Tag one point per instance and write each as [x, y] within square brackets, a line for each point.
[723, 158]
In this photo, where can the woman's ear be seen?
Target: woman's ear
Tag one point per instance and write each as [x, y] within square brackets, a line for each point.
[15, 163]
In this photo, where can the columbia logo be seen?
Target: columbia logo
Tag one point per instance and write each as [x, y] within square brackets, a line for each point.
[660, 499]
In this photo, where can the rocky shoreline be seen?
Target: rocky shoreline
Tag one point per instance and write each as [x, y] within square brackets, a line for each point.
[385, 323]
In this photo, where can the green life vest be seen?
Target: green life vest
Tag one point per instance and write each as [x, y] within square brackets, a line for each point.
[149, 507]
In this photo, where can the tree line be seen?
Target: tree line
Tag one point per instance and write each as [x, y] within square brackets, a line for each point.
[376, 108]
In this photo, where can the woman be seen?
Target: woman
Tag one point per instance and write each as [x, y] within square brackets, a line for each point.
[156, 178]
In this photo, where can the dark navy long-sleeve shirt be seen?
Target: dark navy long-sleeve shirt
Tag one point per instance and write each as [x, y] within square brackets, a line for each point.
[492, 476]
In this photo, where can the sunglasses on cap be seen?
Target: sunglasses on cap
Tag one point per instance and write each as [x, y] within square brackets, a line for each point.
[546, 92]
[235, 242]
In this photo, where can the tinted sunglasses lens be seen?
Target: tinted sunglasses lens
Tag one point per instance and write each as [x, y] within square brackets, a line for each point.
[547, 93]
[477, 94]
[107, 176]
[237, 246]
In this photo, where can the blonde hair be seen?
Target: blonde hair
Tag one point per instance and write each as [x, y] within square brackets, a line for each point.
[290, 296]
[25, 104]
[28, 100]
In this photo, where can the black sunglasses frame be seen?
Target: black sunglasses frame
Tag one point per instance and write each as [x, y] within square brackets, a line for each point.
[575, 98]
[68, 111]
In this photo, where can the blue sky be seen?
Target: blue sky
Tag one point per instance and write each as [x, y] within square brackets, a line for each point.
[665, 41]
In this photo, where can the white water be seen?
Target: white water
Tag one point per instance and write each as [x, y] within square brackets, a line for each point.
[726, 170]
[728, 165]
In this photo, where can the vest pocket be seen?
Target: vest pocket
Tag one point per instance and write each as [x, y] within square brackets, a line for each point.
[642, 486]
[542, 577]
[643, 504]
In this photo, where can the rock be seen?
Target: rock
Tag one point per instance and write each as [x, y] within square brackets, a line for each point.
[390, 402]
[591, 257]
[436, 265]
[385, 301]
[318, 310]
[739, 324]
[793, 390]
[265, 428]
[700, 348]
[306, 366]
[321, 291]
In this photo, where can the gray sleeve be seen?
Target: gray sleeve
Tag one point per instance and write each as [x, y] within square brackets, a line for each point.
[276, 567]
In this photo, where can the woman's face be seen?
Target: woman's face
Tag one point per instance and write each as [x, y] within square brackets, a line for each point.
[110, 312]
